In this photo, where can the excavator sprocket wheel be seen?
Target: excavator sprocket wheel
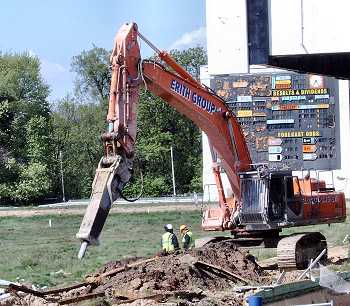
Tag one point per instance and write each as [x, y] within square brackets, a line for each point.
[296, 251]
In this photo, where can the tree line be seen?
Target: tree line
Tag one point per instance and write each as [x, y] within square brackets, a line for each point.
[37, 138]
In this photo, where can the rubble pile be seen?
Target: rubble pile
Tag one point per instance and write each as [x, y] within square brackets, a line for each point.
[180, 271]
[199, 277]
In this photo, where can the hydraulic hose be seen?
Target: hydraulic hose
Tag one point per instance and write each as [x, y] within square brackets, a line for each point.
[142, 186]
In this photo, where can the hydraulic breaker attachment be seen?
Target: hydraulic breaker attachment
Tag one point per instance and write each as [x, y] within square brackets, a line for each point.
[108, 182]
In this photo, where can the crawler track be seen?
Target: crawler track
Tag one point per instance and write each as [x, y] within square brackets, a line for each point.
[295, 252]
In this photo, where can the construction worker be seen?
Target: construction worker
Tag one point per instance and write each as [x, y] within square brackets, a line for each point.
[169, 240]
[187, 237]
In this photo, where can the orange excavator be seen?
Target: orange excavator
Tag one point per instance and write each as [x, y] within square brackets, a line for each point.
[263, 202]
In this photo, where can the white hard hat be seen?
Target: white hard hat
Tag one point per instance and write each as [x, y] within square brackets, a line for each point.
[168, 226]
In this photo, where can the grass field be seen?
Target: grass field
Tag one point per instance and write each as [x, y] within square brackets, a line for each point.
[32, 251]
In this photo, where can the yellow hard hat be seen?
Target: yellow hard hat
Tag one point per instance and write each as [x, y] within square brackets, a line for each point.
[183, 227]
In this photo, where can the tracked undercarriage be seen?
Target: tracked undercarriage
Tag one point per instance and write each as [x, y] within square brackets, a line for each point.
[298, 250]
[293, 252]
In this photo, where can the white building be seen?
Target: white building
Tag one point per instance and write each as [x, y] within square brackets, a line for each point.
[311, 33]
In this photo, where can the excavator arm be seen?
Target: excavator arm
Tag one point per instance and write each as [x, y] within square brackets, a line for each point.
[180, 90]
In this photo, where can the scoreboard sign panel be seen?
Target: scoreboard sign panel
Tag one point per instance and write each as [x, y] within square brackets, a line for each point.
[289, 120]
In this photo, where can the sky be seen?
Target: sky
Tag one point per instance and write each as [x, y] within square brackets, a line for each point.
[57, 30]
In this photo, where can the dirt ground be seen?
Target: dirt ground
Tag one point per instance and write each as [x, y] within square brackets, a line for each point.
[202, 276]
[178, 279]
[81, 210]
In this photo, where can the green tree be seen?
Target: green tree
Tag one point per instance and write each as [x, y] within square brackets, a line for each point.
[159, 127]
[77, 135]
[93, 74]
[80, 120]
[25, 130]
[77, 130]
[191, 59]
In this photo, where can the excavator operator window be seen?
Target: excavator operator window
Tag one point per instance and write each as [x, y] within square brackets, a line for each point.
[276, 198]
[292, 199]
[254, 199]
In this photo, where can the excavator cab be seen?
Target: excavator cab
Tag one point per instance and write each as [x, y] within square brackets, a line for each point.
[265, 200]
[270, 200]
